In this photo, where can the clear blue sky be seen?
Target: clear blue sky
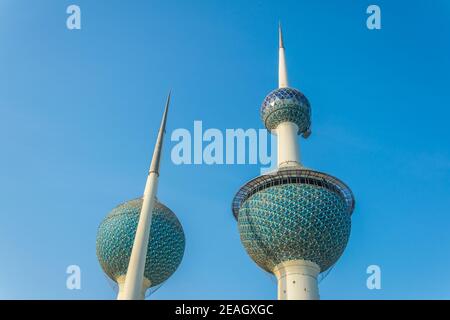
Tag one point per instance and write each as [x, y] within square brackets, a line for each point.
[79, 112]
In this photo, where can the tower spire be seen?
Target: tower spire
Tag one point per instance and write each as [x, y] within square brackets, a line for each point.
[154, 167]
[280, 35]
[282, 69]
[134, 279]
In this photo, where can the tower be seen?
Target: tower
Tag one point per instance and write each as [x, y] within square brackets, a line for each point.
[294, 222]
[141, 243]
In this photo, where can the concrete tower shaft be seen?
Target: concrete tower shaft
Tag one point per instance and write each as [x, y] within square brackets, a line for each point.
[294, 222]
[286, 113]
[132, 289]
[288, 152]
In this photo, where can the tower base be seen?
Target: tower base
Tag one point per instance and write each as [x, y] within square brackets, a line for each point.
[297, 280]
[121, 283]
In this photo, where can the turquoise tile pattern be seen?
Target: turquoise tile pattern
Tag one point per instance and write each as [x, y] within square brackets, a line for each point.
[295, 221]
[116, 234]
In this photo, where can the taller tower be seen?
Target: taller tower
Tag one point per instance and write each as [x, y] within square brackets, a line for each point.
[294, 222]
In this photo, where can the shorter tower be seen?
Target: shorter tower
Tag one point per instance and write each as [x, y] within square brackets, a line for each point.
[141, 242]
[115, 239]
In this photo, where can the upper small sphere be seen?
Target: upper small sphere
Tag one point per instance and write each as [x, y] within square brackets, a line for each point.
[286, 104]
[116, 234]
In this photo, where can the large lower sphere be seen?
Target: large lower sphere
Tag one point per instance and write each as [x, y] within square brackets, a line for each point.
[116, 234]
[293, 222]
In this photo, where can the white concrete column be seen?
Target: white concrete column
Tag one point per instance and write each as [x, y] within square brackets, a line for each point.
[121, 283]
[135, 274]
[282, 70]
[136, 266]
[288, 146]
[297, 280]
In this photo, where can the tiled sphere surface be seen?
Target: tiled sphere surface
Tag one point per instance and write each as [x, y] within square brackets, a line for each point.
[294, 221]
[286, 104]
[116, 234]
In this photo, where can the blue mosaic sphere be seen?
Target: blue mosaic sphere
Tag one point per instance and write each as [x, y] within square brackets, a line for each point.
[116, 234]
[295, 221]
[286, 104]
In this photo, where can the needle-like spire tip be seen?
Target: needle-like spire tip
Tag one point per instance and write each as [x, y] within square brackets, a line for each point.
[280, 32]
[282, 71]
[154, 167]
